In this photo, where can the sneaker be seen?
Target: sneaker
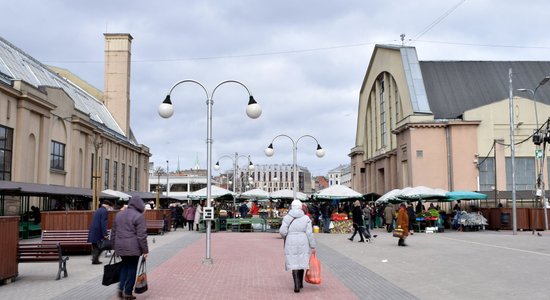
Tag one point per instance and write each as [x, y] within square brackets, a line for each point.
[350, 239]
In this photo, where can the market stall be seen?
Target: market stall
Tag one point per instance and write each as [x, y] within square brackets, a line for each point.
[336, 193]
[340, 223]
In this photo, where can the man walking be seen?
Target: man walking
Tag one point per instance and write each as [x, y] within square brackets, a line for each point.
[389, 213]
[98, 230]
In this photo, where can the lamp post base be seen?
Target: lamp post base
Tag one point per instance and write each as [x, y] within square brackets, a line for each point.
[207, 261]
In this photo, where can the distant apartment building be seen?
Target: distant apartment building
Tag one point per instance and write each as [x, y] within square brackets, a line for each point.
[270, 178]
[340, 175]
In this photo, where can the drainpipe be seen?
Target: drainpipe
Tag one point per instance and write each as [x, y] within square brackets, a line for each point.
[449, 159]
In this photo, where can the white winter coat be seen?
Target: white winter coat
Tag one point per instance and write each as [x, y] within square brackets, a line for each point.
[198, 211]
[299, 239]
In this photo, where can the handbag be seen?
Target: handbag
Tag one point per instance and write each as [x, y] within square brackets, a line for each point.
[111, 271]
[398, 232]
[141, 280]
[105, 245]
[313, 274]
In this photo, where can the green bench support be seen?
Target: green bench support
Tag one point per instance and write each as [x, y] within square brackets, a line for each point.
[242, 225]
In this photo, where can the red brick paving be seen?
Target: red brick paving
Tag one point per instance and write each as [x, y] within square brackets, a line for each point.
[245, 266]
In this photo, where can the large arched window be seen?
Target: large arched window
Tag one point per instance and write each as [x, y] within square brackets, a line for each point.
[382, 114]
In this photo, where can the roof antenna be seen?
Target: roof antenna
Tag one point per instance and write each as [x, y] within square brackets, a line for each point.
[402, 39]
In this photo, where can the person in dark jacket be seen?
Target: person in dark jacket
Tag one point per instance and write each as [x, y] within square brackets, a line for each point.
[129, 238]
[358, 221]
[326, 213]
[412, 217]
[98, 230]
[179, 216]
[243, 209]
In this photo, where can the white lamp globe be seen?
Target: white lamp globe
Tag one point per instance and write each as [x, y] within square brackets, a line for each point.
[251, 167]
[166, 110]
[268, 151]
[253, 111]
[216, 167]
[320, 152]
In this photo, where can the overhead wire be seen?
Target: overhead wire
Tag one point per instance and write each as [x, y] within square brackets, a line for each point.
[437, 21]
[508, 145]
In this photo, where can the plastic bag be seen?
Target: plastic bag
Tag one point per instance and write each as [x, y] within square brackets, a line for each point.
[141, 280]
[313, 274]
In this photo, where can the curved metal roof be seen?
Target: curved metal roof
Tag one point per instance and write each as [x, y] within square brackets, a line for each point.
[17, 65]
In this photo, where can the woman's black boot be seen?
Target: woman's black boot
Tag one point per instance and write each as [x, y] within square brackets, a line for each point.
[301, 277]
[296, 281]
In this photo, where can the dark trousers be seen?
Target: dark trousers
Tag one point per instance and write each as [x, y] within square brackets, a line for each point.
[358, 229]
[96, 252]
[190, 224]
[128, 272]
[389, 227]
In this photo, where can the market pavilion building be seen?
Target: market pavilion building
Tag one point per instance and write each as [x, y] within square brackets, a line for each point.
[58, 131]
[446, 124]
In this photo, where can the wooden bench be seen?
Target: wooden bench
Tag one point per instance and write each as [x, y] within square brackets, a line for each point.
[155, 226]
[38, 252]
[70, 240]
[242, 225]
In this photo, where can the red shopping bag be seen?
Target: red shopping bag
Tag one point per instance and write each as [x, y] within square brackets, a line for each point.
[313, 275]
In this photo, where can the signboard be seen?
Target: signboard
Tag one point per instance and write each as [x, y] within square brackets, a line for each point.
[208, 213]
[538, 153]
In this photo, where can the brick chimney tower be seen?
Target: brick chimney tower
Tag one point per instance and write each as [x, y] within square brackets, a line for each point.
[117, 77]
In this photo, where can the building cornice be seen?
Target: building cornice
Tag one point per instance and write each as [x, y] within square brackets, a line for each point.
[435, 124]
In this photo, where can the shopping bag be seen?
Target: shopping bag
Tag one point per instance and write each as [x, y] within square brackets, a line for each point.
[111, 271]
[141, 280]
[398, 232]
[313, 274]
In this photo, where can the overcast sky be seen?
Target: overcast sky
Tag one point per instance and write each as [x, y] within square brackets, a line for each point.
[304, 62]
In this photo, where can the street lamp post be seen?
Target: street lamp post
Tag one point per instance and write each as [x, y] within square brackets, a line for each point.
[167, 178]
[235, 166]
[166, 110]
[320, 152]
[538, 139]
[159, 172]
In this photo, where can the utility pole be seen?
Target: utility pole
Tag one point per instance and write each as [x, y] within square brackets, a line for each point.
[512, 155]
[540, 154]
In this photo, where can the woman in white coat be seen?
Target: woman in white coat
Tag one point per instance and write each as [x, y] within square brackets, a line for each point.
[198, 212]
[297, 232]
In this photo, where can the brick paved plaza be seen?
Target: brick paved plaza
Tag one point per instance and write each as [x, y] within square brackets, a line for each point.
[450, 265]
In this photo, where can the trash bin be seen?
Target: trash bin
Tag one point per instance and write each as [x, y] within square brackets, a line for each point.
[223, 223]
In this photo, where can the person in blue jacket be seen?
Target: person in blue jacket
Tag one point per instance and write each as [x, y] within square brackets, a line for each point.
[98, 230]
